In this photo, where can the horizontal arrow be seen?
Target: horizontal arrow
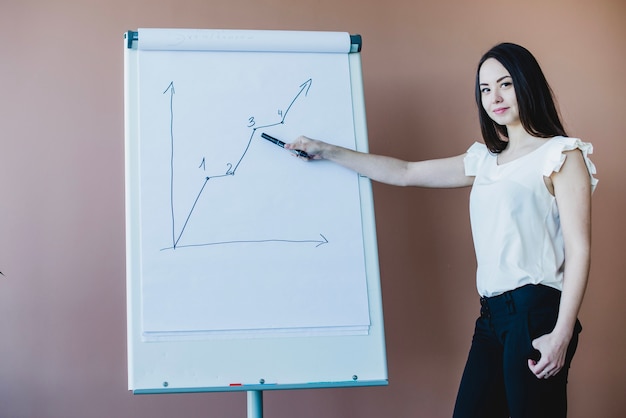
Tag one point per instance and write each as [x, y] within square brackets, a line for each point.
[260, 241]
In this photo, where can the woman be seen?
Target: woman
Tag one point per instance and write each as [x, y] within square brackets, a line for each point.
[530, 208]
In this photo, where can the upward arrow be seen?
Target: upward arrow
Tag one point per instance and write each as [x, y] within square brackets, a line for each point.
[304, 88]
[172, 91]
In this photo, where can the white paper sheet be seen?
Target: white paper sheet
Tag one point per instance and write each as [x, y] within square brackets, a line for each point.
[237, 235]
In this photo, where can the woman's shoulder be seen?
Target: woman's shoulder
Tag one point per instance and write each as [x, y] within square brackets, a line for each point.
[568, 143]
[478, 148]
[474, 157]
[555, 155]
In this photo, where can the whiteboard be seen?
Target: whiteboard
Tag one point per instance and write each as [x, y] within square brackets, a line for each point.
[247, 267]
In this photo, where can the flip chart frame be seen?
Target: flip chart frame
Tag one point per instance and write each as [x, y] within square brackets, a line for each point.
[248, 362]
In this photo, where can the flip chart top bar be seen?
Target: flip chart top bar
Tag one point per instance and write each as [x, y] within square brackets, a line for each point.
[230, 40]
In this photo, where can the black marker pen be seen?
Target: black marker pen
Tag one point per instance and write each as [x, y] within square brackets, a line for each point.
[282, 145]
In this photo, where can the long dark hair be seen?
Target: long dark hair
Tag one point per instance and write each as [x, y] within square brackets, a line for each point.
[537, 109]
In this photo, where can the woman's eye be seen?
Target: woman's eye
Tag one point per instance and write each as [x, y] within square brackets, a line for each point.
[484, 90]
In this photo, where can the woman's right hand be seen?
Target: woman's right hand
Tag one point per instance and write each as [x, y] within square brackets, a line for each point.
[314, 148]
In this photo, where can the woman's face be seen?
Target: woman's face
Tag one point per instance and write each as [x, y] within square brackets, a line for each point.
[498, 93]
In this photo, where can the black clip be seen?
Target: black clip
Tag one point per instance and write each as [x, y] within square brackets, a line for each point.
[130, 37]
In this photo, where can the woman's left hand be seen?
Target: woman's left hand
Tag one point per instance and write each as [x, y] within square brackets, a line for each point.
[553, 349]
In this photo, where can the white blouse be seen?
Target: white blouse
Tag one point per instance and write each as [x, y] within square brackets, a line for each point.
[514, 218]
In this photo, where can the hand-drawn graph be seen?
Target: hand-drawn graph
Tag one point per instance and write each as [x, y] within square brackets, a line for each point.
[231, 170]
[237, 234]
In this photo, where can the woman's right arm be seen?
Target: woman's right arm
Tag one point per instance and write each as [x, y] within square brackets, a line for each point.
[438, 173]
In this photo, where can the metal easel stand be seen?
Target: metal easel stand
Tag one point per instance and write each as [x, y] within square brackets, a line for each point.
[255, 404]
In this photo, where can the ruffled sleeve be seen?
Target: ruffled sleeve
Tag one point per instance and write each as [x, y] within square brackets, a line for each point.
[556, 156]
[474, 158]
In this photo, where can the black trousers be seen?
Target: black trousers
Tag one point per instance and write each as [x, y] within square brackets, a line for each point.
[497, 382]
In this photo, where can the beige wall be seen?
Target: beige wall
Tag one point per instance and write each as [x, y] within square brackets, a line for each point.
[62, 302]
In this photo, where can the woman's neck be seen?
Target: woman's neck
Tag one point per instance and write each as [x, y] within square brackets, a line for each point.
[519, 137]
[520, 143]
